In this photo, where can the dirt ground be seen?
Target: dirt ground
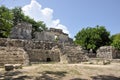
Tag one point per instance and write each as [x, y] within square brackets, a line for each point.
[59, 71]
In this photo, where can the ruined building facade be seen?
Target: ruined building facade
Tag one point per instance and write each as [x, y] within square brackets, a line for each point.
[108, 52]
[24, 31]
[44, 47]
[51, 34]
[21, 31]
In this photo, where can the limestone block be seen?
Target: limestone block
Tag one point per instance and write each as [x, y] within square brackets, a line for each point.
[17, 66]
[108, 52]
[9, 67]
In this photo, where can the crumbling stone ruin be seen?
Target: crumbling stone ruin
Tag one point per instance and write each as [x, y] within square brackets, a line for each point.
[42, 51]
[51, 45]
[73, 54]
[21, 31]
[108, 52]
[24, 31]
[13, 55]
[22, 48]
[52, 34]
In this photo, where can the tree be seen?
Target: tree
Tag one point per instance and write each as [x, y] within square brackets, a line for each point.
[10, 18]
[6, 21]
[93, 38]
[19, 16]
[115, 41]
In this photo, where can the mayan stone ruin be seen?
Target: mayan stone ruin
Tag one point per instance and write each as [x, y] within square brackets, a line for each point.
[108, 52]
[13, 55]
[22, 48]
[49, 35]
[21, 31]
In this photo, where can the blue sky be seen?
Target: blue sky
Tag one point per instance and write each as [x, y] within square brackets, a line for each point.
[72, 15]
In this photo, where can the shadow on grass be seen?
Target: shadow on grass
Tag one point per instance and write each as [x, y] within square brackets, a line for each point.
[105, 77]
[99, 77]
[51, 75]
[13, 75]
[78, 79]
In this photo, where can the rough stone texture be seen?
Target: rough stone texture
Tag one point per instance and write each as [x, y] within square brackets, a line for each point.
[42, 51]
[27, 44]
[37, 50]
[21, 31]
[73, 54]
[13, 55]
[38, 55]
[108, 52]
[50, 35]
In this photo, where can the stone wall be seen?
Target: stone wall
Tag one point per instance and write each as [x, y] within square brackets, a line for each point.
[13, 55]
[50, 35]
[42, 51]
[27, 44]
[21, 31]
[38, 55]
[73, 54]
[37, 51]
[108, 52]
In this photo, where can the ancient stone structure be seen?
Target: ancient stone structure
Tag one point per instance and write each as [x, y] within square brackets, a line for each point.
[73, 54]
[21, 31]
[40, 51]
[13, 55]
[108, 52]
[51, 45]
[51, 34]
[24, 30]
[37, 50]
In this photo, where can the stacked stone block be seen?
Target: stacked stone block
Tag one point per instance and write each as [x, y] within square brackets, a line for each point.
[107, 52]
[13, 55]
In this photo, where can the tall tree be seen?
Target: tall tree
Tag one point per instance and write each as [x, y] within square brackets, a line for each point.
[19, 16]
[6, 21]
[92, 38]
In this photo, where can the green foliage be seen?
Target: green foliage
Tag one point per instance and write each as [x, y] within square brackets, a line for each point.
[20, 17]
[10, 18]
[6, 21]
[92, 38]
[115, 41]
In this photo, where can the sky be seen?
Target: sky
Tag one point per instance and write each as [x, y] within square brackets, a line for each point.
[71, 15]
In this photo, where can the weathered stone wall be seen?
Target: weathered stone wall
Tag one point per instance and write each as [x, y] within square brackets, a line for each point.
[13, 55]
[44, 36]
[108, 52]
[73, 54]
[37, 50]
[50, 35]
[21, 31]
[27, 44]
[38, 55]
[42, 51]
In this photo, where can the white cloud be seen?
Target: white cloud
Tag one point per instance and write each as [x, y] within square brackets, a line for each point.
[35, 11]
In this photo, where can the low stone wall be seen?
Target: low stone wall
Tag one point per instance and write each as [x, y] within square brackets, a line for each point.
[73, 54]
[38, 55]
[27, 44]
[43, 51]
[108, 52]
[13, 55]
[38, 51]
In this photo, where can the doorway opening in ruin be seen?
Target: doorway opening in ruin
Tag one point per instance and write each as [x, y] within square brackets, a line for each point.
[48, 60]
